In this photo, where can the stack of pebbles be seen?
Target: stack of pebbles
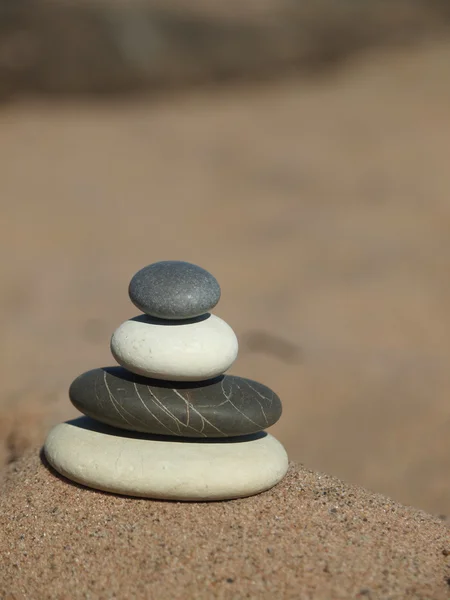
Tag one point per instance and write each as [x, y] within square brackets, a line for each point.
[167, 423]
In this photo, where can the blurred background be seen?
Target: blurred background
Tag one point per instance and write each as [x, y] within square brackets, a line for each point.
[297, 150]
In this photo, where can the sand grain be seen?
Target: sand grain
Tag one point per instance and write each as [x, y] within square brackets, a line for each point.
[312, 536]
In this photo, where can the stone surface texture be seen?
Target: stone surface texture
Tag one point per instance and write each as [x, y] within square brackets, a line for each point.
[173, 350]
[104, 458]
[174, 290]
[223, 407]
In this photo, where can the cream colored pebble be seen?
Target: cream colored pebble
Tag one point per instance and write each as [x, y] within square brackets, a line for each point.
[139, 465]
[178, 352]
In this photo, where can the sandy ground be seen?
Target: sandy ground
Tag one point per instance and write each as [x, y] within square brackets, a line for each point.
[311, 537]
[98, 47]
[322, 207]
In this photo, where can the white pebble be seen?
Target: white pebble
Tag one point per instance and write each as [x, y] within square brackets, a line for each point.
[177, 352]
[137, 465]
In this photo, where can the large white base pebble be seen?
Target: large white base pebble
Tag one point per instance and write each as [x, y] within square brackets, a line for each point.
[175, 351]
[103, 458]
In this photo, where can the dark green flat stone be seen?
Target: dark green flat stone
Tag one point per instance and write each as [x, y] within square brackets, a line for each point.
[222, 407]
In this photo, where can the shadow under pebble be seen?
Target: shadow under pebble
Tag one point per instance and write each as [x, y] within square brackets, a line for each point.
[92, 425]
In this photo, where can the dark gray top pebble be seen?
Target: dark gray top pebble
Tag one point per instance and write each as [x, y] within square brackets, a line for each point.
[174, 290]
[223, 407]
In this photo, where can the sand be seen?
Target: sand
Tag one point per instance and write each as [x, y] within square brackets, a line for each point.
[322, 207]
[320, 202]
[98, 47]
[309, 537]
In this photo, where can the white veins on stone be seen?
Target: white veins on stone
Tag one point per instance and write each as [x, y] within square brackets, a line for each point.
[221, 407]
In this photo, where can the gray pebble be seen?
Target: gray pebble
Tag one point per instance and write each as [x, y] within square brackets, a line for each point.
[174, 290]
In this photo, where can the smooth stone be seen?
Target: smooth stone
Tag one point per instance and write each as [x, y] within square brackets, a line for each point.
[222, 407]
[193, 351]
[135, 465]
[174, 289]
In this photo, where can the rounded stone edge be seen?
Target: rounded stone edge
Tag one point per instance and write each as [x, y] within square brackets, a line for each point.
[191, 375]
[170, 316]
[77, 478]
[103, 419]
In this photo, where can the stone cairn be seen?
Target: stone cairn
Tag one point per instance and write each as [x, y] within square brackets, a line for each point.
[168, 423]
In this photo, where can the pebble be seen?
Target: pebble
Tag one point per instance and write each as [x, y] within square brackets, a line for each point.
[174, 290]
[106, 459]
[192, 351]
[225, 406]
